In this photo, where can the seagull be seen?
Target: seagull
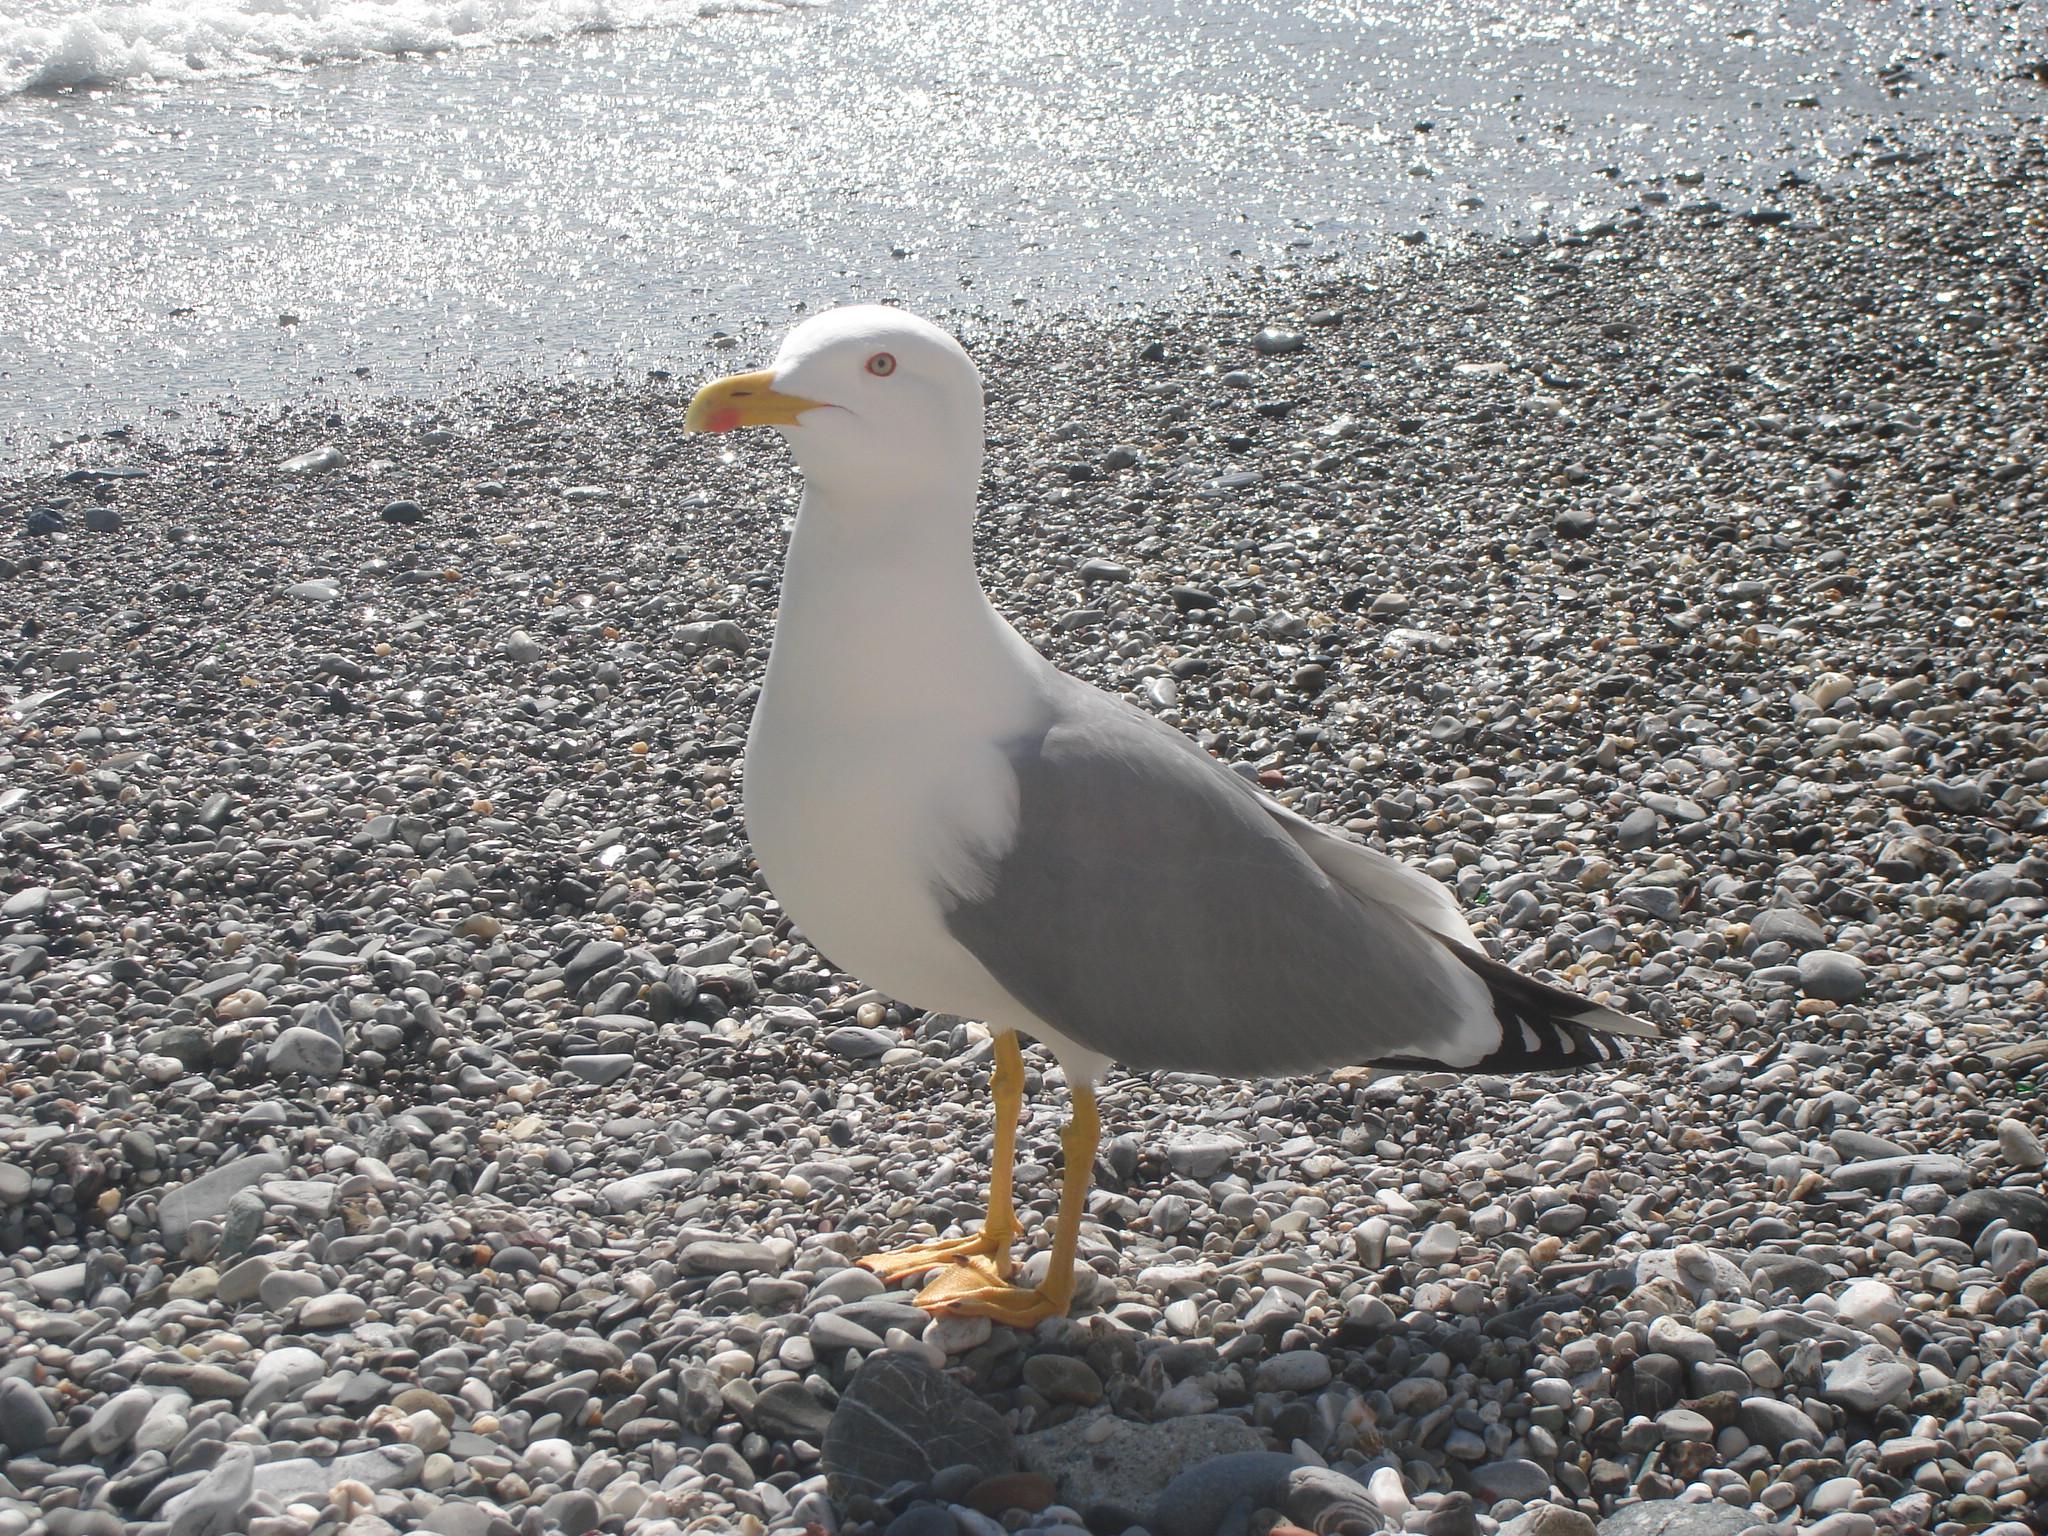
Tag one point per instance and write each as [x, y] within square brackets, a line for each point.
[951, 818]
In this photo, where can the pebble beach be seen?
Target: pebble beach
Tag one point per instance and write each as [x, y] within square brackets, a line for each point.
[415, 1115]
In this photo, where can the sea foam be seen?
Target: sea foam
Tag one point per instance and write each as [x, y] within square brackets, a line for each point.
[53, 44]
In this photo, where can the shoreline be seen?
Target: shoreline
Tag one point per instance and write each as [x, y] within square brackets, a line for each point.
[1674, 594]
[143, 329]
[1645, 216]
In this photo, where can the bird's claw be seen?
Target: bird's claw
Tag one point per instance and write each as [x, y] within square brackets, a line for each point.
[975, 1290]
[988, 1252]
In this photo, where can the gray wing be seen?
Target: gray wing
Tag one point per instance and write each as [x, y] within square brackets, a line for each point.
[1150, 908]
[1377, 876]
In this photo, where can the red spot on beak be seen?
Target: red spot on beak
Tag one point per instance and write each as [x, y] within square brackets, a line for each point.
[725, 419]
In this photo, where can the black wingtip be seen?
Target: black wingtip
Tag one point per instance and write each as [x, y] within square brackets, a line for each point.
[1544, 1028]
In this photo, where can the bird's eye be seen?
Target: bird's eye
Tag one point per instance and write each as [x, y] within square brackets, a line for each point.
[881, 365]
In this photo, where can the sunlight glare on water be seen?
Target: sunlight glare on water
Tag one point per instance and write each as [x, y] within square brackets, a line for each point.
[610, 200]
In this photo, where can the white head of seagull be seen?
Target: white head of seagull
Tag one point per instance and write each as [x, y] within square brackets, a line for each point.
[876, 405]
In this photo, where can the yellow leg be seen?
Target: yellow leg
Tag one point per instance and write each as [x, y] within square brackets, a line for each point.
[989, 1248]
[968, 1291]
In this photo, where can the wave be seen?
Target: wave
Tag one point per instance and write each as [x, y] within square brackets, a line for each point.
[49, 45]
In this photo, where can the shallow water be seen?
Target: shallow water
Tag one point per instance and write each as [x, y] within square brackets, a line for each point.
[257, 231]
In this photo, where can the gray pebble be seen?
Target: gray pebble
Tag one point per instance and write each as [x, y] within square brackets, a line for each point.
[859, 1044]
[115, 1421]
[717, 1256]
[26, 1422]
[1516, 1478]
[1830, 974]
[1866, 1379]
[573, 1512]
[206, 1197]
[599, 1071]
[1775, 1424]
[2019, 1146]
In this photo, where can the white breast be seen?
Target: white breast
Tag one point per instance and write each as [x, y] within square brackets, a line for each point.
[855, 842]
[874, 783]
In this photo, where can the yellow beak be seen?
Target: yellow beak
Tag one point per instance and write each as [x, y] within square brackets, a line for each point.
[744, 400]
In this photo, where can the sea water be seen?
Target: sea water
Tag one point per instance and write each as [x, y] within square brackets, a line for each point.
[250, 201]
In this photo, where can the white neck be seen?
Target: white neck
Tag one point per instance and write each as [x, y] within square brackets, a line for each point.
[882, 617]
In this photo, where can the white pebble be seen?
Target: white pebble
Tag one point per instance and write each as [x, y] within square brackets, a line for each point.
[1864, 1302]
[1390, 1493]
[957, 1335]
[552, 1459]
